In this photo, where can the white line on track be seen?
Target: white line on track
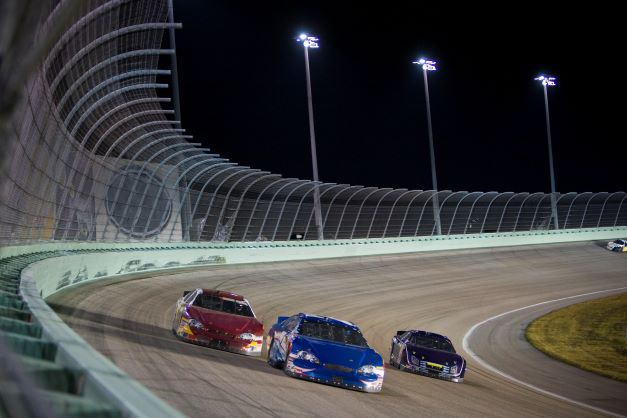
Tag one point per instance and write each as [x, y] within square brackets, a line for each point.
[520, 382]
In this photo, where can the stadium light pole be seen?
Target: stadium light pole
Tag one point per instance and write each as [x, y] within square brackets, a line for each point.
[428, 65]
[546, 82]
[312, 42]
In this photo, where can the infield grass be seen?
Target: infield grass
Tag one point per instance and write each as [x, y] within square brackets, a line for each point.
[590, 335]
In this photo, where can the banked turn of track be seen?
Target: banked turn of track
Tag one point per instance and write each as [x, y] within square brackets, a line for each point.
[446, 292]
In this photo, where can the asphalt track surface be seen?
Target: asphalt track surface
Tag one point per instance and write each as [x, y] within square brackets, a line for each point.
[445, 292]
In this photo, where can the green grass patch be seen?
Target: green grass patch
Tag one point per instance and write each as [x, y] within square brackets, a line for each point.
[590, 335]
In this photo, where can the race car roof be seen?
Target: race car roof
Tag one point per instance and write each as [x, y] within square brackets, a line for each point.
[427, 333]
[223, 294]
[328, 319]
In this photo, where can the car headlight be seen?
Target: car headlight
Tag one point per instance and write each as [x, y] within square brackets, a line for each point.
[307, 356]
[454, 369]
[367, 369]
[195, 324]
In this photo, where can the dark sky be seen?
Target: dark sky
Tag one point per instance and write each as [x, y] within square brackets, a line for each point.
[243, 92]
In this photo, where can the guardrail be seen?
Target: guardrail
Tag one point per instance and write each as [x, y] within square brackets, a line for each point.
[71, 264]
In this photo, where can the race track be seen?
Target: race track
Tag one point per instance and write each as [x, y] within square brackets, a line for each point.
[446, 292]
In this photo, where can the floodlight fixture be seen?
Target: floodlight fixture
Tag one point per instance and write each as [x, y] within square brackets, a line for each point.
[546, 80]
[308, 41]
[427, 65]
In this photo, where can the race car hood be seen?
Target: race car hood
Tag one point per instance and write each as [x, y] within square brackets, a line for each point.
[221, 321]
[335, 353]
[435, 356]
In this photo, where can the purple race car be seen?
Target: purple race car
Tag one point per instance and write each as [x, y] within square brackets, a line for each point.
[428, 354]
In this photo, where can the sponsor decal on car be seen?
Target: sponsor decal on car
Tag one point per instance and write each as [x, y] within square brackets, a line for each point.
[435, 365]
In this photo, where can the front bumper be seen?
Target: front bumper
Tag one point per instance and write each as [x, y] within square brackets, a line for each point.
[438, 374]
[246, 347]
[305, 370]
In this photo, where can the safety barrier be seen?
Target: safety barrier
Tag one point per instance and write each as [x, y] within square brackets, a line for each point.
[111, 260]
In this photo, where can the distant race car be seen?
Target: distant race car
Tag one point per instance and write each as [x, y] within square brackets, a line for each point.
[619, 245]
[218, 319]
[325, 350]
[428, 354]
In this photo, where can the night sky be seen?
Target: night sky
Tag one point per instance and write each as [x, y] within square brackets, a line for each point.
[243, 92]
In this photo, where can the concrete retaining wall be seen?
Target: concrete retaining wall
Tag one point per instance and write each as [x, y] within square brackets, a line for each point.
[55, 274]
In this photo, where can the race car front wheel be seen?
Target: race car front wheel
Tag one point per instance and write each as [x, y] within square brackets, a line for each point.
[175, 326]
[271, 361]
[392, 362]
[400, 365]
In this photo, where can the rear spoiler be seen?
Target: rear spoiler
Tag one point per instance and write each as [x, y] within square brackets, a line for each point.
[399, 333]
[281, 319]
[186, 292]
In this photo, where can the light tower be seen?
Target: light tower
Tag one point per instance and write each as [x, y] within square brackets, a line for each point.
[312, 42]
[428, 65]
[546, 82]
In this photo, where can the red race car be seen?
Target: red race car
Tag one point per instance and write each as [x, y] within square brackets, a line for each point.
[218, 319]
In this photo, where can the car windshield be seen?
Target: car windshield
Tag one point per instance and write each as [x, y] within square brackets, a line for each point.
[431, 341]
[332, 332]
[216, 303]
[619, 242]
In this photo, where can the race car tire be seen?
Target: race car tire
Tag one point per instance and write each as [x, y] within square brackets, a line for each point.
[175, 326]
[392, 362]
[400, 365]
[271, 361]
[283, 365]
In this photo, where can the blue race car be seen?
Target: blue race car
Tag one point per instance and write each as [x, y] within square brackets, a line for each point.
[428, 354]
[325, 350]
